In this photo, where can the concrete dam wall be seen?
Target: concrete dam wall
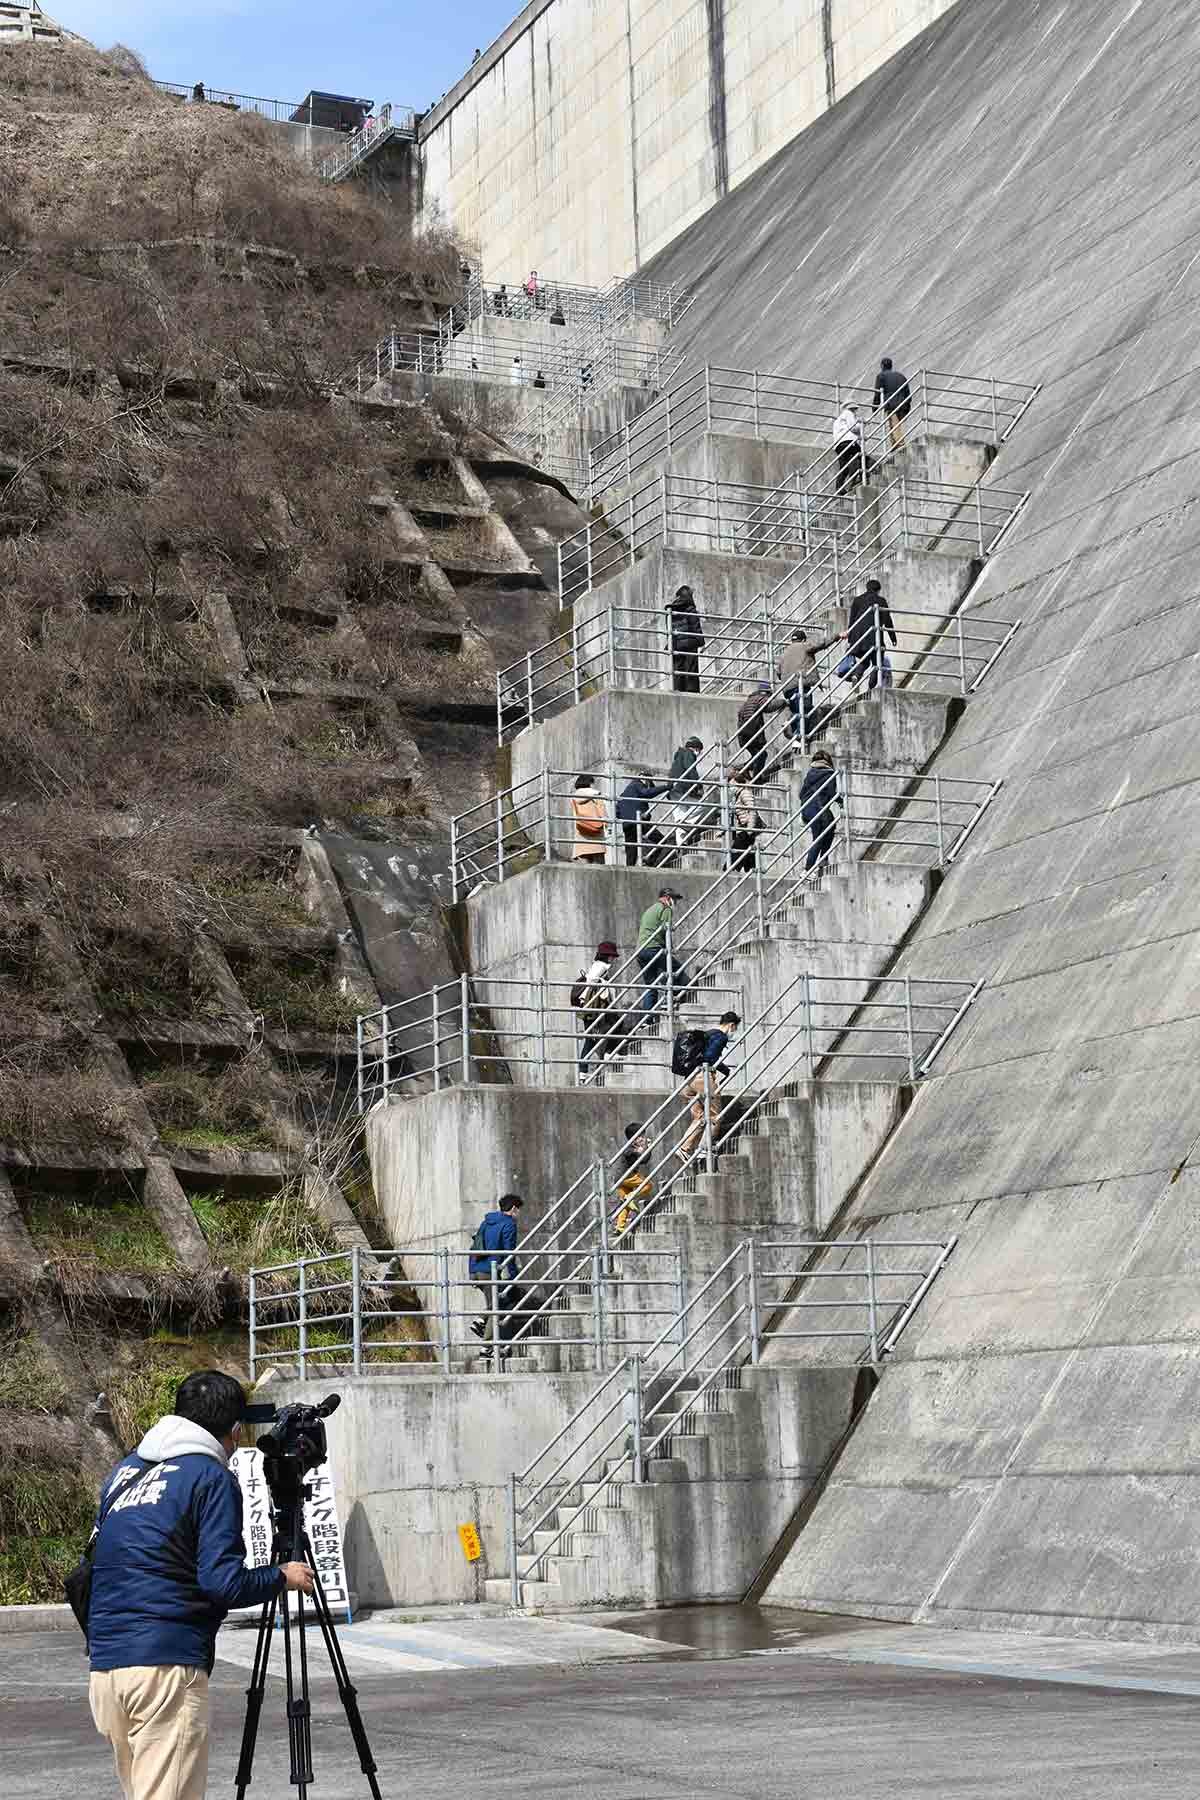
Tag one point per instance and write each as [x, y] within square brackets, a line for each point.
[587, 137]
[1018, 191]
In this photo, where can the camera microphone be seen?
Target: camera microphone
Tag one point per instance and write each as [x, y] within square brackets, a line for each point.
[329, 1404]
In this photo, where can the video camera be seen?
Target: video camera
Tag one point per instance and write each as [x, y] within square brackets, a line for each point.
[293, 1448]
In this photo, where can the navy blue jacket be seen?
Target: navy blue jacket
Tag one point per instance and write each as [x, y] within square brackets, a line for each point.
[635, 799]
[170, 1560]
[714, 1050]
[497, 1233]
[818, 793]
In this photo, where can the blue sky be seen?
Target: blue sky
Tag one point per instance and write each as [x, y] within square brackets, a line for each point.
[408, 52]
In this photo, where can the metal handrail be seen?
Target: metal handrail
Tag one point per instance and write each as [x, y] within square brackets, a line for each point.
[335, 1310]
[636, 1386]
[281, 111]
[533, 820]
[773, 405]
[739, 518]
[392, 122]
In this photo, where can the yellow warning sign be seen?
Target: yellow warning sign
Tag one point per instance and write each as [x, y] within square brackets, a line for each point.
[468, 1537]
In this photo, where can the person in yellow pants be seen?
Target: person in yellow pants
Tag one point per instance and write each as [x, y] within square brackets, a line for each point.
[704, 1087]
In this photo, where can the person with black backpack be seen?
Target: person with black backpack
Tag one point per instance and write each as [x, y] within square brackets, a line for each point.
[698, 1054]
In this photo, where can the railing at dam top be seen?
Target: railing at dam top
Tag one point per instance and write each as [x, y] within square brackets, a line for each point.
[983, 408]
[739, 519]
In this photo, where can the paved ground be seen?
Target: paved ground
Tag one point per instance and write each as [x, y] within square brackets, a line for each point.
[691, 1706]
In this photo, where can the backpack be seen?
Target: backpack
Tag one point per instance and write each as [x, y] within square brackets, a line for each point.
[687, 1052]
[581, 993]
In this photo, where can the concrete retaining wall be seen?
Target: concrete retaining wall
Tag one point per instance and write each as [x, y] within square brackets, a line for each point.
[584, 139]
[415, 1457]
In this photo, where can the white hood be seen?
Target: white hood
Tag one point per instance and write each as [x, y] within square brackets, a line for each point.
[173, 1436]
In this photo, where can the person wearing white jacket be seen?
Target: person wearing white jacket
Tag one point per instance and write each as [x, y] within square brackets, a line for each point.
[848, 442]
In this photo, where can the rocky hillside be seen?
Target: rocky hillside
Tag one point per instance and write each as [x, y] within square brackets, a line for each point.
[250, 623]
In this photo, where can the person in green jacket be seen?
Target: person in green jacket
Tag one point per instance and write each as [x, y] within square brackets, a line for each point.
[654, 959]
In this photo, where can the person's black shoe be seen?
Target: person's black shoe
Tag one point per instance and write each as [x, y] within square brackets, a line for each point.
[478, 1327]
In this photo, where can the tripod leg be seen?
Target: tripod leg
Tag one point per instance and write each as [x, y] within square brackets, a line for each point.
[298, 1712]
[347, 1693]
[254, 1695]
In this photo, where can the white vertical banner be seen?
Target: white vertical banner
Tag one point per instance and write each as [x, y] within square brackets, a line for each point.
[321, 1523]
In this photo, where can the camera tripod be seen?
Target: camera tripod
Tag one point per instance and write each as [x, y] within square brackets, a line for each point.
[292, 1543]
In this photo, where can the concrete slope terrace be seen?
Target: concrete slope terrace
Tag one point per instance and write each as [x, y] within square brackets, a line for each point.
[1019, 191]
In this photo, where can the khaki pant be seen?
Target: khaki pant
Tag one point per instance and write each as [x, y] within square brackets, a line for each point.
[896, 427]
[156, 1720]
[695, 1088]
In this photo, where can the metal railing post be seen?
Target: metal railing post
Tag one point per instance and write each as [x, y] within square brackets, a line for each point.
[941, 829]
[549, 848]
[759, 898]
[385, 1054]
[873, 1319]
[464, 1020]
[668, 413]
[599, 1192]
[453, 858]
[254, 1324]
[541, 1005]
[514, 1576]
[670, 952]
[494, 1302]
[962, 654]
[726, 807]
[576, 681]
[639, 1474]
[528, 687]
[611, 647]
[924, 409]
[680, 1296]
[445, 1326]
[995, 418]
[752, 1297]
[979, 519]
[808, 1025]
[598, 1307]
[356, 1307]
[302, 1332]
[707, 398]
[757, 422]
[710, 1154]
[358, 1042]
[908, 1027]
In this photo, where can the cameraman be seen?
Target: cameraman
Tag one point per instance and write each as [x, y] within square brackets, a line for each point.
[169, 1563]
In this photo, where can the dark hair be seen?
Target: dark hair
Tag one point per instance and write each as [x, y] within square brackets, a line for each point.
[699, 742]
[213, 1400]
[822, 756]
[631, 1131]
[509, 1202]
[885, 362]
[730, 1018]
[873, 587]
[799, 637]
[582, 781]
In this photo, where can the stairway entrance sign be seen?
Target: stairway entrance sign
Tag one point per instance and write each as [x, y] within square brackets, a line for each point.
[320, 1522]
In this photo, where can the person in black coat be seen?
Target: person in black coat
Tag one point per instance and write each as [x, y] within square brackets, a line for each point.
[752, 728]
[870, 620]
[818, 797]
[893, 393]
[687, 641]
[642, 838]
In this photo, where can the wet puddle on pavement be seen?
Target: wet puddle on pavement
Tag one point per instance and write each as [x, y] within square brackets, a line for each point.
[733, 1629]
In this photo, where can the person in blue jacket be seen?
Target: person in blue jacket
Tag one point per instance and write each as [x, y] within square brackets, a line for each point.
[633, 806]
[169, 1562]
